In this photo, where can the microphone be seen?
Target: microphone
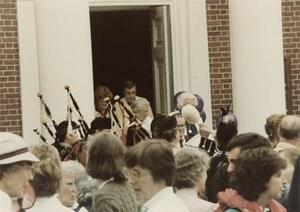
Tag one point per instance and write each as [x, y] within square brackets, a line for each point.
[116, 99]
[113, 101]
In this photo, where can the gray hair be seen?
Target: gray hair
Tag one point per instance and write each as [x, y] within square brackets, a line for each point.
[139, 104]
[72, 166]
[289, 128]
[191, 164]
[84, 184]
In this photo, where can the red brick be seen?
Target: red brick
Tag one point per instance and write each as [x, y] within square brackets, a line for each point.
[10, 107]
[219, 54]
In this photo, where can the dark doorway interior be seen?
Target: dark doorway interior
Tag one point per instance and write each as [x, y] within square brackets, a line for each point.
[122, 50]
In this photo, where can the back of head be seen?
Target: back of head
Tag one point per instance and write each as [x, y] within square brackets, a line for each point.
[225, 132]
[99, 124]
[227, 127]
[164, 127]
[139, 105]
[253, 171]
[248, 141]
[191, 164]
[106, 157]
[47, 172]
[154, 155]
[289, 127]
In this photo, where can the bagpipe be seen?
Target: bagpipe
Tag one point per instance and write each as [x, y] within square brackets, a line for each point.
[135, 131]
[57, 133]
[204, 138]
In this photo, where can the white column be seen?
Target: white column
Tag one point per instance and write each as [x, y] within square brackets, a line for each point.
[65, 55]
[190, 55]
[29, 75]
[199, 60]
[257, 61]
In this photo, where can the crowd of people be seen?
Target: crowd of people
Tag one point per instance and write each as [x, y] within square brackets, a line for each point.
[130, 160]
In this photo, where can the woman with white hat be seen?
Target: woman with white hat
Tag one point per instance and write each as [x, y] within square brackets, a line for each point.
[15, 169]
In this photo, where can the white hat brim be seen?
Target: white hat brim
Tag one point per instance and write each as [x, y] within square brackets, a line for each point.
[27, 156]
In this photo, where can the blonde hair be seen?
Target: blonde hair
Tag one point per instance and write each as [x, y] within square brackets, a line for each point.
[46, 172]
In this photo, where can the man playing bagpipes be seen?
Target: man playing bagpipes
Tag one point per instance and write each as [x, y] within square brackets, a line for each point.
[69, 137]
[123, 109]
[139, 129]
[66, 140]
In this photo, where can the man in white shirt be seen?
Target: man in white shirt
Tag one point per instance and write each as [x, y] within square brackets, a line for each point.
[151, 169]
[15, 169]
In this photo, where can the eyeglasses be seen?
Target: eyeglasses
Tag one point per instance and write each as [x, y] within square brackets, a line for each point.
[135, 173]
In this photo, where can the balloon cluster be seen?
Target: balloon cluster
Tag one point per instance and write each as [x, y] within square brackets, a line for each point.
[183, 98]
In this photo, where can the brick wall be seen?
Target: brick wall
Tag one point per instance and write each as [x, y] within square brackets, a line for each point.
[291, 49]
[217, 12]
[10, 102]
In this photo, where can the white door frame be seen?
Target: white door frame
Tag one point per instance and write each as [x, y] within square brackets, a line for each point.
[189, 43]
[189, 50]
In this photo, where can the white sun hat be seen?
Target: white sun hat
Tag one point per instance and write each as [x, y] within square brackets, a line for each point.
[14, 149]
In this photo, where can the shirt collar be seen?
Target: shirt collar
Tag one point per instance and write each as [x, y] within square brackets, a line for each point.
[5, 197]
[158, 196]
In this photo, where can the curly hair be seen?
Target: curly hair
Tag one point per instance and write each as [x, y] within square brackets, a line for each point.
[101, 92]
[106, 157]
[191, 163]
[253, 171]
[46, 172]
[272, 127]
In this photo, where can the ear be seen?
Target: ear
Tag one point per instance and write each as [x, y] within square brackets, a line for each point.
[223, 111]
[68, 136]
[227, 109]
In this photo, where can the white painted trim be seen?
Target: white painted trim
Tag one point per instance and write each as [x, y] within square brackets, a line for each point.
[190, 73]
[189, 53]
[29, 71]
[94, 3]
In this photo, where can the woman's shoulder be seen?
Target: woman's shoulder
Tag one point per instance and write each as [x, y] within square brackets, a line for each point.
[114, 195]
[117, 188]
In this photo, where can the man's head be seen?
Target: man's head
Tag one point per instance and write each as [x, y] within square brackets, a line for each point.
[62, 134]
[165, 127]
[129, 89]
[289, 130]
[242, 142]
[100, 124]
[151, 167]
[15, 164]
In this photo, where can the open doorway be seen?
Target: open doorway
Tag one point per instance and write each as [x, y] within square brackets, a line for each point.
[125, 46]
